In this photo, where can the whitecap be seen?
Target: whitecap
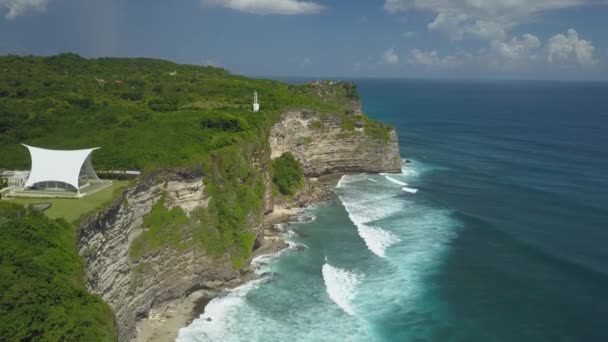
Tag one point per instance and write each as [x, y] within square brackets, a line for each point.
[410, 190]
[341, 286]
[395, 180]
[371, 180]
[376, 239]
[363, 209]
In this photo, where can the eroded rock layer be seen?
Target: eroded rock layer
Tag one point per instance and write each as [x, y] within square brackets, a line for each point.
[324, 146]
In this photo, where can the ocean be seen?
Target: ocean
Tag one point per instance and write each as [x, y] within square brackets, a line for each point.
[496, 231]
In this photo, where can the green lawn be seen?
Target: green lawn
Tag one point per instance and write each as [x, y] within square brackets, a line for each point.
[71, 209]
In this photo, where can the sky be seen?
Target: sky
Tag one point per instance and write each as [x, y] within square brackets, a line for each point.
[488, 39]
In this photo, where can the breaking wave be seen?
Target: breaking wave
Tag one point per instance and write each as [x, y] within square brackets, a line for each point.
[410, 190]
[395, 181]
[341, 286]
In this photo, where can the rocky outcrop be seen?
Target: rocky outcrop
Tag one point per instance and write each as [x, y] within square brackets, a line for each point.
[323, 146]
[133, 286]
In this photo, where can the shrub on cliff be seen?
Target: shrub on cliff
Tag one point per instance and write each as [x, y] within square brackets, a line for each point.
[287, 174]
[42, 297]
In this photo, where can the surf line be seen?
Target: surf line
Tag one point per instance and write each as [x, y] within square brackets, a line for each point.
[395, 181]
[410, 190]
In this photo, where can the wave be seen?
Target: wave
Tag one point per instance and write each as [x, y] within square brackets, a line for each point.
[376, 239]
[371, 180]
[410, 190]
[366, 207]
[220, 314]
[341, 286]
[395, 181]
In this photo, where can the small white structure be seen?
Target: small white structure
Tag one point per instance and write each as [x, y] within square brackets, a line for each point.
[59, 169]
[16, 179]
[256, 105]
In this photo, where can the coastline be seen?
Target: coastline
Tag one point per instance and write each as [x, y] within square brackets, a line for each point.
[165, 320]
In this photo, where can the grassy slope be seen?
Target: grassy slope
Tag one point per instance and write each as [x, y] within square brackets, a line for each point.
[72, 209]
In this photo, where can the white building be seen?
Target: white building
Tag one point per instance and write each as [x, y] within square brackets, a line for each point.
[16, 179]
[59, 169]
[256, 105]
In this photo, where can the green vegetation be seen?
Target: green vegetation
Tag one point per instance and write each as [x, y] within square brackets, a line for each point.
[287, 174]
[74, 209]
[140, 115]
[163, 228]
[42, 297]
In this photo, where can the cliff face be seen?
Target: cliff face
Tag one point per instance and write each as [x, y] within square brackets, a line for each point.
[323, 146]
[133, 287]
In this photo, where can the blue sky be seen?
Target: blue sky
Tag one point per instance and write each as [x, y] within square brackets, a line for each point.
[539, 39]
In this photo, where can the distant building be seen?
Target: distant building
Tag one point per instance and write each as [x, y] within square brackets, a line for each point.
[59, 169]
[256, 105]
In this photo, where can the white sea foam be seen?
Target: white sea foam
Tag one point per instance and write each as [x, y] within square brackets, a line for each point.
[363, 208]
[395, 180]
[341, 286]
[371, 180]
[376, 239]
[343, 180]
[410, 190]
[220, 314]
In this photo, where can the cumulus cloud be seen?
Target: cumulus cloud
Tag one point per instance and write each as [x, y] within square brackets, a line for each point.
[486, 19]
[432, 59]
[518, 52]
[266, 7]
[390, 57]
[19, 7]
[517, 49]
[566, 47]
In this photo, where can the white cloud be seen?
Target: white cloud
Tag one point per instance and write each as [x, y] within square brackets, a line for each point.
[563, 50]
[486, 19]
[390, 57]
[517, 49]
[432, 59]
[266, 7]
[19, 7]
[566, 47]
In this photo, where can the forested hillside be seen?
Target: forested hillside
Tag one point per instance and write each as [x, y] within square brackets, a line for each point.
[42, 297]
[143, 113]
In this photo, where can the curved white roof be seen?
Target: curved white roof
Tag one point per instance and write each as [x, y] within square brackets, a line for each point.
[56, 165]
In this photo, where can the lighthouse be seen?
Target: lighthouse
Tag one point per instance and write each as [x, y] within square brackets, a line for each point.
[256, 105]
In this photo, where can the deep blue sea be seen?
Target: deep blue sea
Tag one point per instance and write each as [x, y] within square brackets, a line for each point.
[497, 230]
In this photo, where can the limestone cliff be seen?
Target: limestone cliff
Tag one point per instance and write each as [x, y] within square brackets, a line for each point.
[133, 286]
[323, 145]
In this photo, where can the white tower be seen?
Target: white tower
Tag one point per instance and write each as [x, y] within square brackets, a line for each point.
[256, 105]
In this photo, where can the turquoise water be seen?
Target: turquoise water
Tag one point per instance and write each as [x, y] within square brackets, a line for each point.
[498, 230]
